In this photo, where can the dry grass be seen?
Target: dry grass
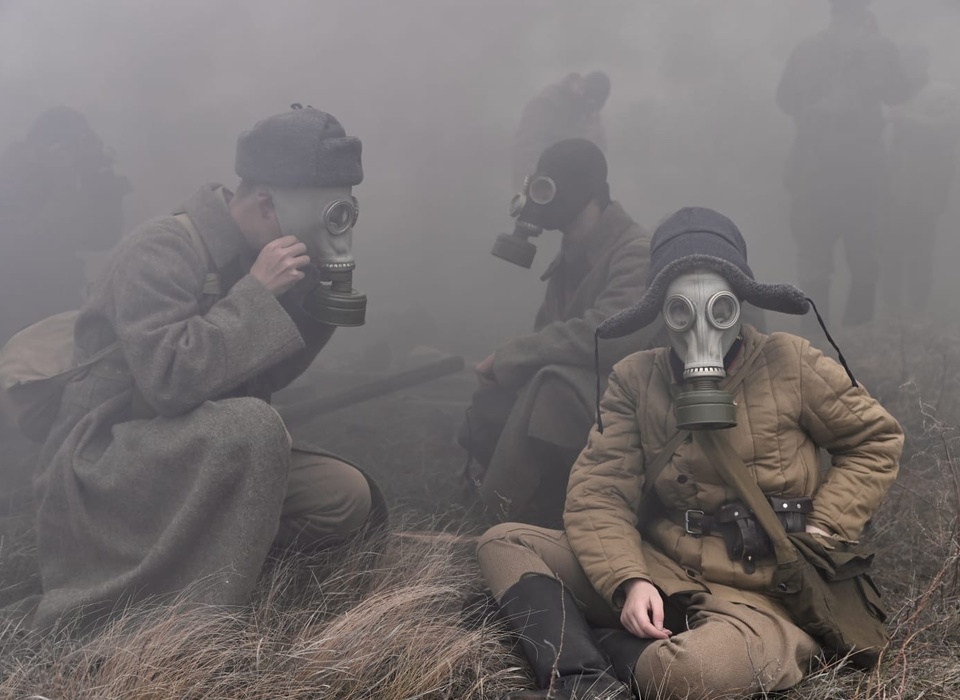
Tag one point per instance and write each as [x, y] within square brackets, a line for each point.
[353, 625]
[358, 625]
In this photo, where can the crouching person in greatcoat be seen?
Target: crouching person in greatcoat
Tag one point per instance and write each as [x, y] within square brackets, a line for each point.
[167, 473]
[659, 579]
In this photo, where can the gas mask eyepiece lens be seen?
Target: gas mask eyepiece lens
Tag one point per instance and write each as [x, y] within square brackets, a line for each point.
[341, 216]
[542, 190]
[723, 310]
[679, 313]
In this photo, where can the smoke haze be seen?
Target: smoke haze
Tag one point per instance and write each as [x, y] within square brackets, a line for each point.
[435, 90]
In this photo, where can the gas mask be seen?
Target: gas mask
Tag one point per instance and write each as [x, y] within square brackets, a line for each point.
[539, 206]
[702, 315]
[323, 219]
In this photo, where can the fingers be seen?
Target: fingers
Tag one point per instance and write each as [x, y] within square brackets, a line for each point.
[656, 609]
[639, 625]
[297, 263]
[643, 616]
[289, 244]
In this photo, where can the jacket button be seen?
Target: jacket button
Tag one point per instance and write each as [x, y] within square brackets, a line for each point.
[692, 573]
[682, 479]
[782, 587]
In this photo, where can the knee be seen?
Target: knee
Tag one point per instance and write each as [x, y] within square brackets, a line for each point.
[506, 554]
[499, 535]
[255, 423]
[342, 504]
[677, 668]
[353, 500]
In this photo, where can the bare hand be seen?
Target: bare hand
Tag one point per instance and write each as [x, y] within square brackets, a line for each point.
[484, 371]
[642, 613]
[278, 267]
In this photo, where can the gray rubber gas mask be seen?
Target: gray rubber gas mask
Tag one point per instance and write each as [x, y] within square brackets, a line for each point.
[702, 315]
[528, 207]
[544, 204]
[323, 219]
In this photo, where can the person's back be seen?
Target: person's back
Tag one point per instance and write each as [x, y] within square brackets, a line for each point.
[59, 196]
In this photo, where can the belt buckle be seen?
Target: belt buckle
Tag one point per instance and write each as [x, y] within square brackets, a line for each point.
[693, 522]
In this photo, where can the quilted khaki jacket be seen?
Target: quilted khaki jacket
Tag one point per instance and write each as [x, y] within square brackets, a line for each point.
[792, 400]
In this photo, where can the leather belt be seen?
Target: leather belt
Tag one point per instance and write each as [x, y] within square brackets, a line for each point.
[743, 535]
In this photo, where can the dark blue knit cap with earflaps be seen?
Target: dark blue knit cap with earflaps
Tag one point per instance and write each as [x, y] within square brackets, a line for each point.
[696, 238]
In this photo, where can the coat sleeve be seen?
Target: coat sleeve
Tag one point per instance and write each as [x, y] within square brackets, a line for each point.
[604, 489]
[570, 342]
[863, 439]
[315, 337]
[178, 357]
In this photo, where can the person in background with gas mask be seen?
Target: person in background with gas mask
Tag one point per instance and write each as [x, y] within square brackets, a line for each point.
[530, 418]
[835, 86]
[569, 109]
[671, 600]
[167, 473]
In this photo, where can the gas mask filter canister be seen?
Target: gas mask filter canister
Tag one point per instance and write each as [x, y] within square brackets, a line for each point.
[323, 219]
[702, 315]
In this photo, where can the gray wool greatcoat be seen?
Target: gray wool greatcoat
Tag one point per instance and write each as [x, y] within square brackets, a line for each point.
[552, 369]
[166, 469]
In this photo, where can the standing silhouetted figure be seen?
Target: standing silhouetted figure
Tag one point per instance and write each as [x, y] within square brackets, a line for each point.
[834, 86]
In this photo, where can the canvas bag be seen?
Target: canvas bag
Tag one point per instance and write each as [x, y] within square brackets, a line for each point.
[37, 363]
[826, 588]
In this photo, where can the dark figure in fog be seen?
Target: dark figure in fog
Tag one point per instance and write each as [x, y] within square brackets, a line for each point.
[59, 196]
[167, 471]
[532, 414]
[835, 86]
[924, 150]
[565, 110]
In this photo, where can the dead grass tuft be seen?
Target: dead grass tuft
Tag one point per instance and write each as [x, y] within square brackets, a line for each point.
[316, 628]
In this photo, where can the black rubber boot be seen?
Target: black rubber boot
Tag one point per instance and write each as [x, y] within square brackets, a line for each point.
[558, 643]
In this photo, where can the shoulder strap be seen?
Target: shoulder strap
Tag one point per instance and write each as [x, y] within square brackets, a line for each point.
[211, 283]
[735, 473]
[660, 461]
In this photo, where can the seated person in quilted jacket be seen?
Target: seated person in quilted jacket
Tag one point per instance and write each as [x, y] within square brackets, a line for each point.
[673, 601]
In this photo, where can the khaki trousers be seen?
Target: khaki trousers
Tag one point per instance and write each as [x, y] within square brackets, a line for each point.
[726, 650]
[327, 500]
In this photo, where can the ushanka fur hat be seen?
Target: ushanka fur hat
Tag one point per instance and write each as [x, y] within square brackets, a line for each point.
[302, 147]
[693, 238]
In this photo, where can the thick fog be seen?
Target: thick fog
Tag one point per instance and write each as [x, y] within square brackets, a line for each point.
[435, 89]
